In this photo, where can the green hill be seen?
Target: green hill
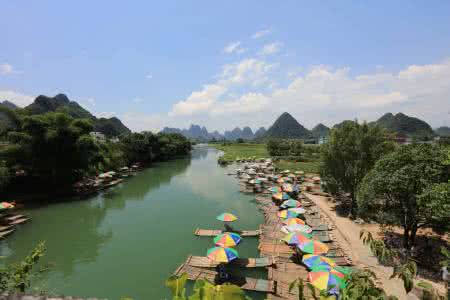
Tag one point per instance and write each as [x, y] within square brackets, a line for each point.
[404, 124]
[320, 130]
[61, 103]
[287, 127]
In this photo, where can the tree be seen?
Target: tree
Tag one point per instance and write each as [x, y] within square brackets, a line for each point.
[204, 290]
[53, 147]
[410, 188]
[350, 153]
[17, 277]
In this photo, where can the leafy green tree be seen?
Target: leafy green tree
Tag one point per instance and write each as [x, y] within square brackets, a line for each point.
[409, 188]
[4, 176]
[204, 290]
[18, 277]
[350, 153]
[53, 147]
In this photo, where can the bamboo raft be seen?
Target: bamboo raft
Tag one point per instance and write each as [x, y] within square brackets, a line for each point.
[19, 221]
[205, 262]
[5, 228]
[3, 234]
[246, 283]
[215, 232]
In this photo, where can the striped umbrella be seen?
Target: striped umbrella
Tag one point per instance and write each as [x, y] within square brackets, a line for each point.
[313, 261]
[227, 239]
[222, 255]
[297, 210]
[291, 203]
[286, 214]
[226, 217]
[6, 205]
[275, 189]
[313, 247]
[327, 281]
[297, 238]
[280, 196]
[291, 221]
[297, 228]
[287, 187]
[328, 268]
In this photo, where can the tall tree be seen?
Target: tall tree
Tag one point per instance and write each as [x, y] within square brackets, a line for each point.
[409, 188]
[349, 154]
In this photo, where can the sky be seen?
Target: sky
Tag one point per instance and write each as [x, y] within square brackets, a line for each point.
[223, 64]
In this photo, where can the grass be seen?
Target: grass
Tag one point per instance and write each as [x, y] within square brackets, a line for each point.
[246, 150]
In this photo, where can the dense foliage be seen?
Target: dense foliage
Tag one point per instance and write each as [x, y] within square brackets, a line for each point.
[278, 147]
[54, 149]
[349, 154]
[409, 188]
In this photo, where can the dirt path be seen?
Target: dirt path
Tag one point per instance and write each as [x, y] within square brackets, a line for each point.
[348, 237]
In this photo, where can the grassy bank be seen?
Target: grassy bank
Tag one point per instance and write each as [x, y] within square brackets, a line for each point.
[246, 150]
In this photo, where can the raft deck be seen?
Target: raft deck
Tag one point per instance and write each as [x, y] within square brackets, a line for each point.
[246, 283]
[205, 262]
[214, 232]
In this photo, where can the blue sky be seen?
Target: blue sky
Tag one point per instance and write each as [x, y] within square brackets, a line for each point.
[230, 63]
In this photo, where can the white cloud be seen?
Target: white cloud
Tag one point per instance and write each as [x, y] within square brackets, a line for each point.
[17, 98]
[261, 33]
[234, 47]
[246, 73]
[271, 48]
[6, 69]
[138, 100]
[149, 76]
[318, 94]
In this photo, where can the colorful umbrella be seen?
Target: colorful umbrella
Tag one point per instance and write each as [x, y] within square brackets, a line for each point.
[328, 268]
[313, 247]
[222, 255]
[226, 217]
[292, 175]
[327, 281]
[291, 203]
[275, 189]
[5, 205]
[287, 187]
[296, 228]
[297, 210]
[292, 221]
[286, 214]
[313, 261]
[299, 172]
[227, 239]
[297, 238]
[281, 196]
[286, 171]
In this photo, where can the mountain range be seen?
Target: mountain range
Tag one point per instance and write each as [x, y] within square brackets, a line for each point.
[60, 103]
[286, 126]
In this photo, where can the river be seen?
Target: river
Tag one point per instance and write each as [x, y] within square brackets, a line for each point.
[127, 241]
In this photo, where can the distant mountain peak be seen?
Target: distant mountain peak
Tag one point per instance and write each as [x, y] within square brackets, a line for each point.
[404, 124]
[8, 104]
[286, 126]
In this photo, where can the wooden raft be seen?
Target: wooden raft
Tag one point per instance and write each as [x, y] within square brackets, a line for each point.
[205, 262]
[214, 232]
[246, 283]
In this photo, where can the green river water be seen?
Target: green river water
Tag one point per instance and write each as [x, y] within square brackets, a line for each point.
[127, 241]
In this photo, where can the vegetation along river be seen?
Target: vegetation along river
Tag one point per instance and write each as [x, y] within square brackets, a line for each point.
[127, 241]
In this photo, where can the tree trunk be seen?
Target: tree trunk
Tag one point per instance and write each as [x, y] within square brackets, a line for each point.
[406, 238]
[412, 236]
